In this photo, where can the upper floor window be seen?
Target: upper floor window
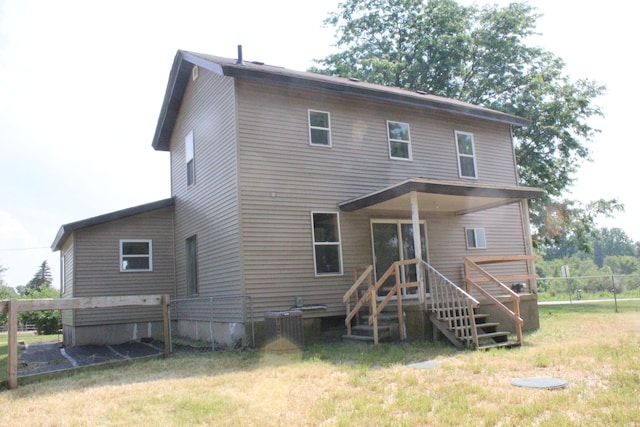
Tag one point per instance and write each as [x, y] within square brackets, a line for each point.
[466, 155]
[190, 158]
[475, 238]
[135, 255]
[319, 128]
[399, 140]
[327, 251]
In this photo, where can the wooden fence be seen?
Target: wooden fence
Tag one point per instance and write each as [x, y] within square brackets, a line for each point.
[13, 307]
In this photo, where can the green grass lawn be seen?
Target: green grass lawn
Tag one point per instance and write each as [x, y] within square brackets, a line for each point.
[591, 347]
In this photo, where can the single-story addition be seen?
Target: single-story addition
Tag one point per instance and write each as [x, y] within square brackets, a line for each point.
[386, 211]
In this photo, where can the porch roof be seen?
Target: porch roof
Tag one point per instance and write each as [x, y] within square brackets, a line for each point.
[441, 196]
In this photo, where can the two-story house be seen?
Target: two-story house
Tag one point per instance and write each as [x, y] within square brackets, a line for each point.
[283, 183]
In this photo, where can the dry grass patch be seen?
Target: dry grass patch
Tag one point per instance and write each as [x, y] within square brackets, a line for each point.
[354, 385]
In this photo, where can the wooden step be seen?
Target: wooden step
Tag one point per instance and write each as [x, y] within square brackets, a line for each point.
[369, 328]
[383, 317]
[506, 344]
[492, 335]
[361, 338]
[487, 325]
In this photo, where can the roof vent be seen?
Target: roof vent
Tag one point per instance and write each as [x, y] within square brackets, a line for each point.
[354, 79]
[257, 62]
[421, 92]
[239, 61]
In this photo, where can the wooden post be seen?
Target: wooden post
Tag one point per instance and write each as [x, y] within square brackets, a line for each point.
[12, 359]
[417, 245]
[401, 327]
[167, 325]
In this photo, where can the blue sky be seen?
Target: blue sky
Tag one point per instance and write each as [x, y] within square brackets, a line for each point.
[81, 86]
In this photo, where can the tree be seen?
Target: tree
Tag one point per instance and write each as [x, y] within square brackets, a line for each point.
[45, 321]
[479, 55]
[42, 279]
[6, 293]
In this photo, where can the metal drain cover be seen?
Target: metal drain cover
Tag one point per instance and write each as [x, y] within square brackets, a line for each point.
[424, 365]
[540, 382]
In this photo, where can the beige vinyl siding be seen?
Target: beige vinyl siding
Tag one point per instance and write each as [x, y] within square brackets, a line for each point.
[283, 179]
[209, 208]
[68, 252]
[97, 271]
[503, 232]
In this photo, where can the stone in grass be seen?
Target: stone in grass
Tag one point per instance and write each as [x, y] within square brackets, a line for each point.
[540, 382]
[424, 365]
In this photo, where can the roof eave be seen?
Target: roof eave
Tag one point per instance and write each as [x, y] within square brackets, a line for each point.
[65, 231]
[438, 187]
[184, 61]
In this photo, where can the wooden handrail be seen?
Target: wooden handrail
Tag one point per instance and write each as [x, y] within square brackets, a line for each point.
[515, 298]
[372, 291]
[357, 284]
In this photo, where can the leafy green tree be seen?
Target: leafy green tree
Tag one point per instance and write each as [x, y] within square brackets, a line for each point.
[45, 321]
[479, 55]
[612, 242]
[622, 264]
[6, 293]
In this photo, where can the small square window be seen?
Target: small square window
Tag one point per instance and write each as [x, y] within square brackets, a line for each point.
[399, 140]
[135, 255]
[319, 128]
[476, 238]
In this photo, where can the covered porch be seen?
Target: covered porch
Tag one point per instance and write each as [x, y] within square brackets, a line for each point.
[401, 275]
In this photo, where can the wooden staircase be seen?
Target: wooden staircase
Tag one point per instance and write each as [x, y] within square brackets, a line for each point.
[364, 330]
[454, 314]
[452, 310]
[487, 333]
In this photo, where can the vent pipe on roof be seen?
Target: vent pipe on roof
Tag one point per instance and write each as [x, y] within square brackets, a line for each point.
[239, 61]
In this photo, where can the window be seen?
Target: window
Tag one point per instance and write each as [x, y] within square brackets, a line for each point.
[399, 140]
[191, 251]
[466, 155]
[135, 255]
[319, 128]
[327, 252]
[190, 158]
[475, 238]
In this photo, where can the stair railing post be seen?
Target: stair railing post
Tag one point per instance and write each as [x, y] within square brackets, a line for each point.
[373, 308]
[401, 329]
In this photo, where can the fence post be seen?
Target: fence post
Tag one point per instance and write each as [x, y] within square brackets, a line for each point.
[166, 325]
[613, 289]
[12, 356]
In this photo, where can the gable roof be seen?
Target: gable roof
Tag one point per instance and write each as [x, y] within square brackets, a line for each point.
[184, 61]
[66, 230]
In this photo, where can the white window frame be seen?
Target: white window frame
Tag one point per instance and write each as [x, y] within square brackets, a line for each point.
[400, 141]
[336, 243]
[463, 155]
[189, 155]
[149, 256]
[327, 129]
[479, 238]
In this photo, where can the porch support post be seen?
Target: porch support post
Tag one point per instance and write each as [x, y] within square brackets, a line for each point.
[417, 242]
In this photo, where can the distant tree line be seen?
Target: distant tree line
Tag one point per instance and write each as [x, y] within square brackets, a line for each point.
[611, 252]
